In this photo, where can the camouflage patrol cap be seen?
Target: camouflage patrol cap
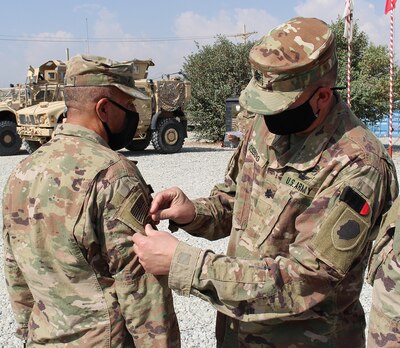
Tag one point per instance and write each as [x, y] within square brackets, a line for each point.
[285, 62]
[85, 70]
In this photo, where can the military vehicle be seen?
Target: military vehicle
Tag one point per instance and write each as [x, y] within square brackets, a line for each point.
[44, 83]
[162, 120]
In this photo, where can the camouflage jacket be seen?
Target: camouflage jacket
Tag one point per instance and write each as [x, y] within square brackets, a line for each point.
[69, 213]
[384, 274]
[301, 215]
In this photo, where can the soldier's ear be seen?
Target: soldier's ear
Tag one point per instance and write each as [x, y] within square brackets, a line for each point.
[102, 109]
[324, 96]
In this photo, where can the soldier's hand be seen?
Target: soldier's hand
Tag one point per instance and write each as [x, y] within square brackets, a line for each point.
[155, 250]
[172, 204]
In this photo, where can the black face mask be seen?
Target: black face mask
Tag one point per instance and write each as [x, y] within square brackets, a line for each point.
[292, 121]
[119, 140]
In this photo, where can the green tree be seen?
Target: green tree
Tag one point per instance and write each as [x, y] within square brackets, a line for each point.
[217, 72]
[369, 74]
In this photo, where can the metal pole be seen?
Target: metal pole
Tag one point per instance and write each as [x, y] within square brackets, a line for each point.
[87, 36]
[391, 81]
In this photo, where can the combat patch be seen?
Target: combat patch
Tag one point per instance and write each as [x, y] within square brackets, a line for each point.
[293, 181]
[134, 212]
[355, 201]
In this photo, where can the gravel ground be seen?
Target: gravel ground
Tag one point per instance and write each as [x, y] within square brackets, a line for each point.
[195, 169]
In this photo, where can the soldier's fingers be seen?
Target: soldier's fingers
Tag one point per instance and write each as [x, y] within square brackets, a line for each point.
[165, 214]
[155, 217]
[138, 239]
[150, 231]
[161, 200]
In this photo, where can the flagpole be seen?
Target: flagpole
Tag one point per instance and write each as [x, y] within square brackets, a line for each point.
[391, 80]
[349, 39]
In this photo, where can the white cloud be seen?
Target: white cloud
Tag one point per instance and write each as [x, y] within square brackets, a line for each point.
[168, 56]
[327, 10]
[225, 23]
[36, 53]
[370, 19]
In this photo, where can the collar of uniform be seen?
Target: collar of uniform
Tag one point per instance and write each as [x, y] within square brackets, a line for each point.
[275, 149]
[310, 153]
[79, 131]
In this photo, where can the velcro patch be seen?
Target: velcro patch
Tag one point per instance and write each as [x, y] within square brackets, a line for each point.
[140, 209]
[134, 212]
[254, 152]
[294, 182]
[348, 232]
[355, 201]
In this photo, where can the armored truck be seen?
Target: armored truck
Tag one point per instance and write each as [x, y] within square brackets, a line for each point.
[44, 83]
[162, 119]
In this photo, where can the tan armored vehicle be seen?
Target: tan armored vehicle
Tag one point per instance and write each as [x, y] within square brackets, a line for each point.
[44, 83]
[161, 118]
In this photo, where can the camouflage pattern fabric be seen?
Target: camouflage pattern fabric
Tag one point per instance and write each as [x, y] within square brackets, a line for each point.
[69, 212]
[244, 120]
[171, 95]
[301, 214]
[86, 70]
[384, 275]
[285, 61]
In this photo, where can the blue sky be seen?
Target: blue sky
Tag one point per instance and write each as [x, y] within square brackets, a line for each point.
[152, 28]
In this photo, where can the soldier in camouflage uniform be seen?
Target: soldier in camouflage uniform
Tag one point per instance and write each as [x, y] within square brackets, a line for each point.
[302, 197]
[384, 275]
[70, 210]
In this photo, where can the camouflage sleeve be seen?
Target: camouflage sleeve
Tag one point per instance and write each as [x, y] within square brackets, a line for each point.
[390, 221]
[384, 275]
[20, 296]
[213, 218]
[145, 300]
[318, 259]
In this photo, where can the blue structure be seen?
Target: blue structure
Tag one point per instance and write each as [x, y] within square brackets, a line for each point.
[381, 129]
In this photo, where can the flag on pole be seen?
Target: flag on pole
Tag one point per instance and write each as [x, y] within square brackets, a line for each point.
[348, 20]
[390, 5]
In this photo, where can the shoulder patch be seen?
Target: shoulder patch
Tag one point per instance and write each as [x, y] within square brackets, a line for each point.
[134, 212]
[140, 209]
[341, 237]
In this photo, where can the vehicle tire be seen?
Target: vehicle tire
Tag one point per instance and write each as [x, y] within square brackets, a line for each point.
[31, 146]
[10, 141]
[139, 145]
[169, 136]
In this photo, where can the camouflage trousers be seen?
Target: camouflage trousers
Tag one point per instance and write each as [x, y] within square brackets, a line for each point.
[384, 320]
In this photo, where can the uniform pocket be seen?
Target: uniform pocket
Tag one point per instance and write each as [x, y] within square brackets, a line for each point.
[243, 199]
[268, 214]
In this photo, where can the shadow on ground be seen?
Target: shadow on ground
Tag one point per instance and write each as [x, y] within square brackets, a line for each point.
[188, 149]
